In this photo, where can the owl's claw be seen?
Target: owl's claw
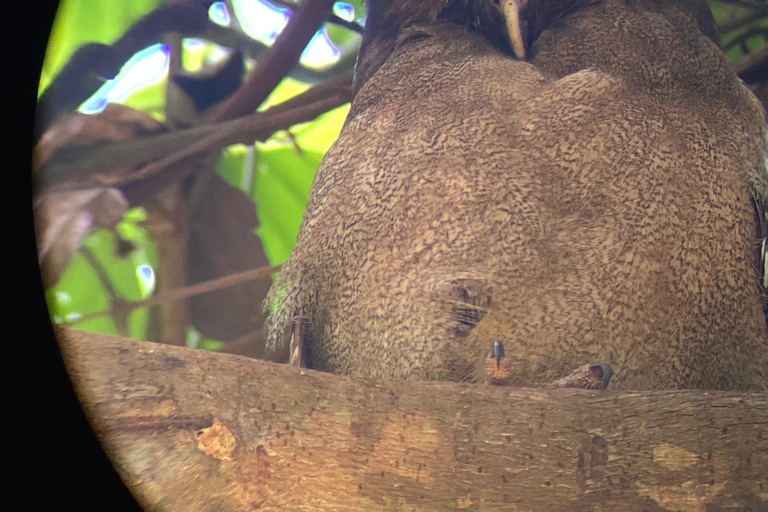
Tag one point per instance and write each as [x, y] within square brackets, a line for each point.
[497, 351]
[296, 348]
[498, 369]
[589, 376]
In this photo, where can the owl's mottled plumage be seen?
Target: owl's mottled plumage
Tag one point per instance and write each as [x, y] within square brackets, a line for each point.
[592, 206]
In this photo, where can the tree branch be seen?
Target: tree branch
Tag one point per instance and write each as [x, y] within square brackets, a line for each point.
[80, 162]
[750, 60]
[755, 14]
[182, 293]
[332, 18]
[194, 430]
[277, 62]
[254, 49]
[94, 63]
[259, 126]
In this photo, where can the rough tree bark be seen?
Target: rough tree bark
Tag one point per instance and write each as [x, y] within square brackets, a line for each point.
[194, 430]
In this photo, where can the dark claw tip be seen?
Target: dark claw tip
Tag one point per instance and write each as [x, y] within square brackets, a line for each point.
[497, 350]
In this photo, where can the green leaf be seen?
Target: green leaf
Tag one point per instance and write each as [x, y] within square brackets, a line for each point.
[287, 89]
[284, 177]
[80, 290]
[77, 293]
[236, 166]
[210, 344]
[319, 135]
[149, 99]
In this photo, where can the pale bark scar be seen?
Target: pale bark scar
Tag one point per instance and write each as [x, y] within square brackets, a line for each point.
[216, 441]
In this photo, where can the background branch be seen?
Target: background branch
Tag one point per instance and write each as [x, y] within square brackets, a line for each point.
[186, 292]
[94, 63]
[254, 49]
[281, 57]
[79, 162]
[259, 126]
[754, 15]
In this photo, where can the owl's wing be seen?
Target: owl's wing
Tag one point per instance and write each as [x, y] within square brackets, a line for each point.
[759, 203]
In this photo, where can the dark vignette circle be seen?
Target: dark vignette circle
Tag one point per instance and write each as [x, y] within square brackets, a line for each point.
[55, 461]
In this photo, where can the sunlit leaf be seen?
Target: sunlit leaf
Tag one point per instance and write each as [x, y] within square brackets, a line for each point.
[287, 89]
[78, 292]
[317, 136]
[283, 180]
[149, 99]
[87, 21]
[81, 291]
[209, 344]
[236, 166]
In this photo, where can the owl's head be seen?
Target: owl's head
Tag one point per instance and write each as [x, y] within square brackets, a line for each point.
[514, 26]
[526, 20]
[387, 19]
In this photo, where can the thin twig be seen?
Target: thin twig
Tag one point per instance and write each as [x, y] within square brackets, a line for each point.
[333, 18]
[259, 126]
[750, 60]
[82, 161]
[121, 320]
[255, 127]
[186, 292]
[754, 15]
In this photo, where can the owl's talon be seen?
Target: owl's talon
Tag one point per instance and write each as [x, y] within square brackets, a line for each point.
[497, 351]
[498, 369]
[589, 376]
[296, 347]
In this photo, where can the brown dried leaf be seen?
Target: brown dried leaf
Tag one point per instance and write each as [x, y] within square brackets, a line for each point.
[62, 219]
[223, 242]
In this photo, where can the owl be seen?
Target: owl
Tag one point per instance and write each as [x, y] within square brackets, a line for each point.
[582, 181]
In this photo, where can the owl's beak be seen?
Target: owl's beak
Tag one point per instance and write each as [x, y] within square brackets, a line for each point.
[511, 11]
